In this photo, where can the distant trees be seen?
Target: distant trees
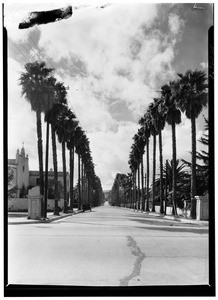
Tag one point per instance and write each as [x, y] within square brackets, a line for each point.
[121, 191]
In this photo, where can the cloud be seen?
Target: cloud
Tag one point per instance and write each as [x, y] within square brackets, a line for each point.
[204, 65]
[175, 24]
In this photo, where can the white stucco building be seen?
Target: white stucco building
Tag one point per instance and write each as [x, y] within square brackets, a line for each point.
[20, 168]
[24, 178]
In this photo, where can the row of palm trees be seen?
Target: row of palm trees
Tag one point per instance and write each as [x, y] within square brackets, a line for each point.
[186, 95]
[48, 96]
[122, 193]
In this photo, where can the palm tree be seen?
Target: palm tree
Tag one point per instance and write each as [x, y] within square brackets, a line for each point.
[159, 117]
[182, 176]
[38, 93]
[173, 117]
[145, 122]
[152, 111]
[73, 123]
[137, 159]
[71, 148]
[192, 100]
[202, 170]
[64, 129]
[133, 168]
[80, 148]
[53, 117]
[139, 143]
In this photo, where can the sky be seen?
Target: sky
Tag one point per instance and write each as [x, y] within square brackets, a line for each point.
[114, 60]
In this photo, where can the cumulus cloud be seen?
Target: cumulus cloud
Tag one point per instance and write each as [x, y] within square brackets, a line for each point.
[204, 65]
[175, 23]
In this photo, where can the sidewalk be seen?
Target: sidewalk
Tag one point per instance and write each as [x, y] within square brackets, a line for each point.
[177, 218]
[22, 217]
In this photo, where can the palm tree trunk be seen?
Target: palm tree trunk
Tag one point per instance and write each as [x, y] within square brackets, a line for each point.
[154, 172]
[40, 150]
[46, 172]
[161, 172]
[71, 176]
[142, 178]
[72, 173]
[193, 174]
[166, 192]
[55, 165]
[174, 167]
[79, 187]
[82, 181]
[85, 185]
[147, 193]
[139, 192]
[135, 196]
[132, 191]
[88, 190]
[64, 176]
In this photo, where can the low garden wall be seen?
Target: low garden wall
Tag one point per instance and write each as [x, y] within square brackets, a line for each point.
[169, 210]
[21, 204]
[202, 208]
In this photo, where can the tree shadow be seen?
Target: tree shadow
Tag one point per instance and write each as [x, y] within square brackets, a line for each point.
[176, 229]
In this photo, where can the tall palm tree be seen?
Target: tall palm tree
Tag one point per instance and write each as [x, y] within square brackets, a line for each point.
[35, 88]
[173, 117]
[192, 99]
[71, 148]
[64, 129]
[145, 122]
[182, 175]
[53, 117]
[73, 123]
[133, 168]
[159, 117]
[152, 111]
[137, 155]
[80, 148]
[139, 143]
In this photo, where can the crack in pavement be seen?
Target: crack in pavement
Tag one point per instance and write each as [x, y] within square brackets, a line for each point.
[135, 250]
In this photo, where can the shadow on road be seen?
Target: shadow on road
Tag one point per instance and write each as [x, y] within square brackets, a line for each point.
[176, 229]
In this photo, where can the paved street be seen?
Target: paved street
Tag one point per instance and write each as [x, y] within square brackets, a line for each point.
[109, 246]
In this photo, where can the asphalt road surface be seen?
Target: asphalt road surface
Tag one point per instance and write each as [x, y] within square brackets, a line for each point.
[109, 246]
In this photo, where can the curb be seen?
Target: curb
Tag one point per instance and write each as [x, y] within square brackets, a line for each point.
[174, 218]
[28, 221]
